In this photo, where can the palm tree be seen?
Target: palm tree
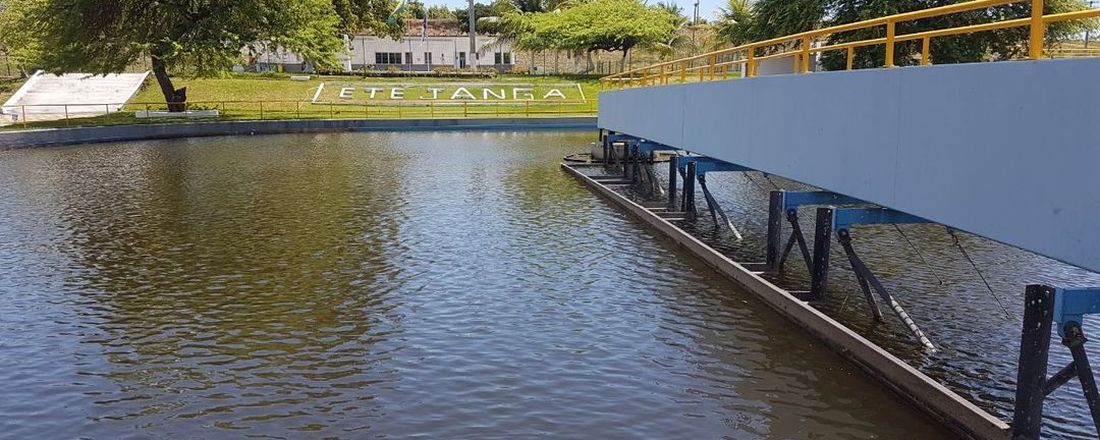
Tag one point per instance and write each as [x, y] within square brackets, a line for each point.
[734, 24]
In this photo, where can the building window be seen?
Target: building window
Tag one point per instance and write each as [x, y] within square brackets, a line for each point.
[387, 58]
[503, 58]
[428, 56]
[409, 56]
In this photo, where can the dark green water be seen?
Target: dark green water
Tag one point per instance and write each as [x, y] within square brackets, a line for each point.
[389, 285]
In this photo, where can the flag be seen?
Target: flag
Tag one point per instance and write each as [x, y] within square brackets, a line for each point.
[392, 20]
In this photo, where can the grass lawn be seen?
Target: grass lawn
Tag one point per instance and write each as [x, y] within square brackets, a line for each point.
[254, 88]
[239, 97]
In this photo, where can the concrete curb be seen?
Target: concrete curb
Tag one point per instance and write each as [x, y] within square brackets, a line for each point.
[83, 135]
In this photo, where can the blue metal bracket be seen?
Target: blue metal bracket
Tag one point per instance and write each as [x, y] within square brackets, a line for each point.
[705, 164]
[797, 199]
[646, 147]
[1070, 306]
[845, 218]
[612, 138]
[643, 146]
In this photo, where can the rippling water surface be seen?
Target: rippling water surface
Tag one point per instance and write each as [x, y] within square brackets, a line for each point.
[941, 284]
[441, 285]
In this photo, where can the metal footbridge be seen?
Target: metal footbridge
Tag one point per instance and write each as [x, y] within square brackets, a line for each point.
[1005, 150]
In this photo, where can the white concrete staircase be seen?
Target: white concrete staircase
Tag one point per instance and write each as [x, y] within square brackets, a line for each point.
[46, 96]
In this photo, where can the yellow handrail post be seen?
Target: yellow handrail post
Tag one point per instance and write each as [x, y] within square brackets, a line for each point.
[702, 71]
[664, 77]
[851, 56]
[683, 72]
[890, 36]
[926, 51]
[750, 66]
[713, 60]
[805, 54]
[1038, 30]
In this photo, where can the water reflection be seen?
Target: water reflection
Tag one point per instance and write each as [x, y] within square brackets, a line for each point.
[445, 285]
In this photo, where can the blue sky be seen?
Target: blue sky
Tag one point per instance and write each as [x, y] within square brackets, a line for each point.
[707, 8]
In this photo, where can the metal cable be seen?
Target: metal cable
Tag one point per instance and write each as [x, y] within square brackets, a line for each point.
[768, 177]
[980, 275]
[748, 175]
[919, 255]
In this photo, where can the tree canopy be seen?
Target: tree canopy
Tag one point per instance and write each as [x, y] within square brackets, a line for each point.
[440, 11]
[17, 41]
[597, 25]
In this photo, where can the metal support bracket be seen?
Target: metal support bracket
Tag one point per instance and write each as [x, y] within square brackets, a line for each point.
[785, 204]
[841, 220]
[703, 165]
[1043, 307]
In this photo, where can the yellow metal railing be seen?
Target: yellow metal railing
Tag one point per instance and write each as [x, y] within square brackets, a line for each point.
[745, 59]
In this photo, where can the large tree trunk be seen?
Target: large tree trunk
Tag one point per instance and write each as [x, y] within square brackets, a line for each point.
[622, 62]
[591, 66]
[175, 98]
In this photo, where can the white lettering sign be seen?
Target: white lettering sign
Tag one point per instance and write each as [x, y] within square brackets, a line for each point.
[554, 93]
[523, 93]
[463, 92]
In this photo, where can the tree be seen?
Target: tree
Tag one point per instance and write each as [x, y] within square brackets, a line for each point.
[735, 22]
[489, 17]
[18, 42]
[678, 39]
[366, 16]
[598, 25]
[415, 10]
[195, 37]
[440, 12]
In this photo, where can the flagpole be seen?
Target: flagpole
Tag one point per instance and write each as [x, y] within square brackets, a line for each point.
[472, 58]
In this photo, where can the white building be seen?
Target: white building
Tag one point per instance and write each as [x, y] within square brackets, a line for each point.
[439, 44]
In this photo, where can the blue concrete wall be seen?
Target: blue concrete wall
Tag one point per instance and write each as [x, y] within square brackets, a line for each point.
[1005, 150]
